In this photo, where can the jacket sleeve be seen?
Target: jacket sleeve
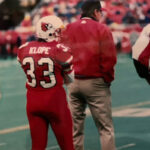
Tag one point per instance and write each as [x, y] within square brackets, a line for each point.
[142, 70]
[141, 43]
[108, 56]
[65, 38]
[64, 58]
[140, 54]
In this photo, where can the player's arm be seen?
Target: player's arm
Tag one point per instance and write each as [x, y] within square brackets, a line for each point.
[68, 76]
[67, 72]
[64, 58]
[107, 55]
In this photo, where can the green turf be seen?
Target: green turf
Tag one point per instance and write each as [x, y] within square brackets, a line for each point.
[132, 133]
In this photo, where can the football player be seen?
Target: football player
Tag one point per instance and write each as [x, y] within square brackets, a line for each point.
[45, 63]
[141, 54]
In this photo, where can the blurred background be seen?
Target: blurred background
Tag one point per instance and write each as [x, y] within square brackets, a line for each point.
[130, 94]
[18, 17]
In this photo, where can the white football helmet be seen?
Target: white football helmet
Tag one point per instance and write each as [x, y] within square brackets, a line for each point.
[49, 28]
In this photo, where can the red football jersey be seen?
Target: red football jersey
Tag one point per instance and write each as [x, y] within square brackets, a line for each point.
[44, 64]
[93, 49]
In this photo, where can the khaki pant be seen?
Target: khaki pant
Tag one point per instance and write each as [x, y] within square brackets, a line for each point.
[96, 94]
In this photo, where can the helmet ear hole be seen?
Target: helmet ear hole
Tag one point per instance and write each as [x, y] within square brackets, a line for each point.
[50, 34]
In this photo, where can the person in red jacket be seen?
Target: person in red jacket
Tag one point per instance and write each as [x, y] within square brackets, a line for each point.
[46, 62]
[94, 58]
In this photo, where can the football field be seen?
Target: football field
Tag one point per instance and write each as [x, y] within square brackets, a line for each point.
[130, 105]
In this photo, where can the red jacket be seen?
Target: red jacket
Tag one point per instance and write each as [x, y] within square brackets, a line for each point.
[93, 49]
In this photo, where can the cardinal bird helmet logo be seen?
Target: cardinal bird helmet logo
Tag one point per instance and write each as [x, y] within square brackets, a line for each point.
[46, 26]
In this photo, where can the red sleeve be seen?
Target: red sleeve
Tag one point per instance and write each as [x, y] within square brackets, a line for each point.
[107, 54]
[64, 57]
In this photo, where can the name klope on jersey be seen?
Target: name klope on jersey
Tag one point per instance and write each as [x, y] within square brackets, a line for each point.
[39, 50]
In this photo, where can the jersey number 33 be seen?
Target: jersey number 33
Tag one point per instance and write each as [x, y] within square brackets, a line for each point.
[46, 73]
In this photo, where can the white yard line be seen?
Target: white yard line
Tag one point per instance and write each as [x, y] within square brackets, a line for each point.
[116, 109]
[52, 147]
[10, 130]
[132, 112]
[126, 146]
[14, 94]
[2, 144]
[132, 105]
